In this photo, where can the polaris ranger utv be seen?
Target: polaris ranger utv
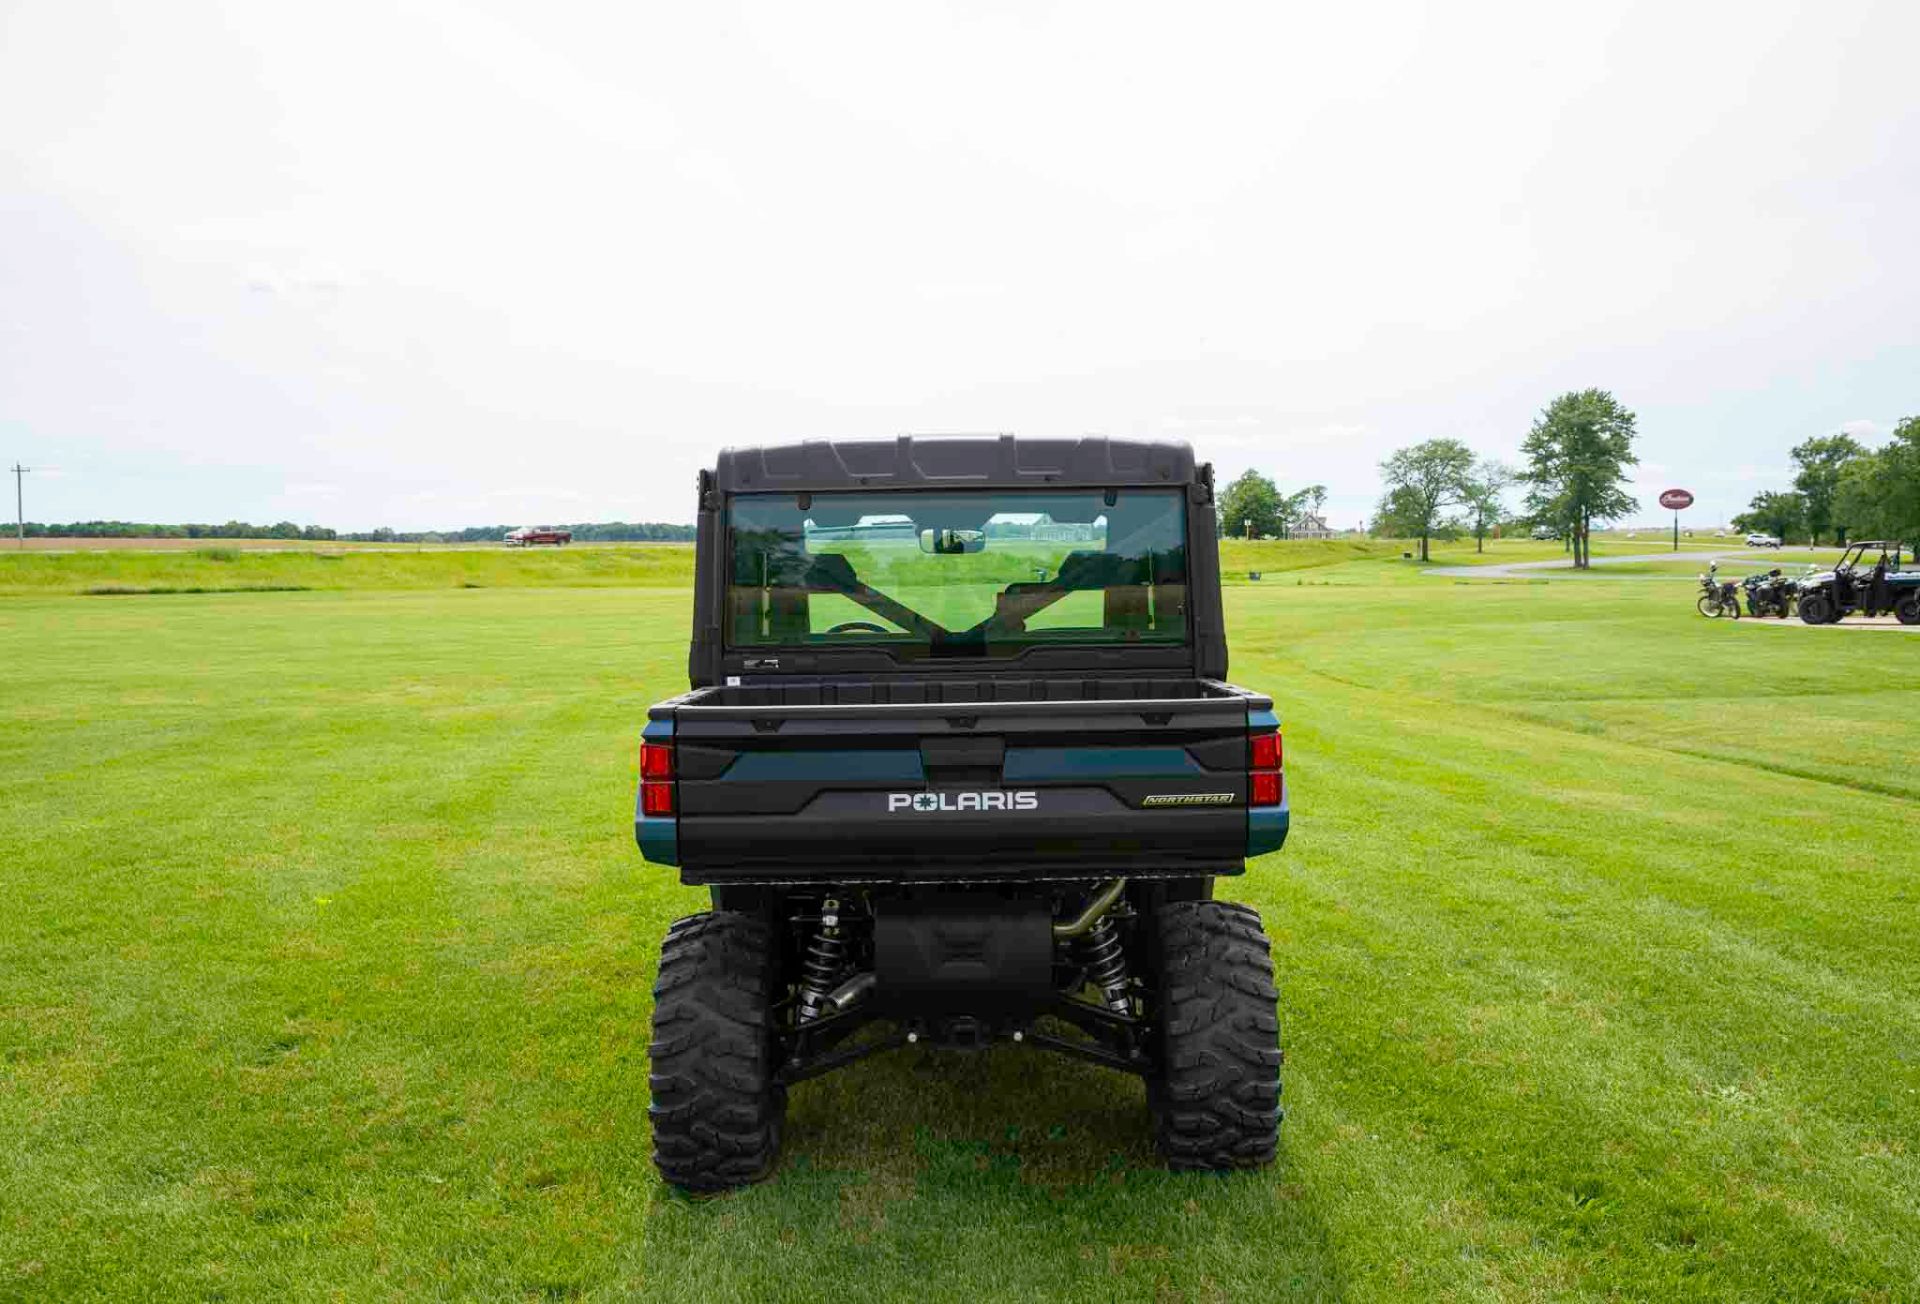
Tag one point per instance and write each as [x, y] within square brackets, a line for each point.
[1866, 579]
[959, 767]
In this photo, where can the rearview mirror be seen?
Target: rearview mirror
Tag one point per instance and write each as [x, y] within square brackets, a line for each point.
[950, 541]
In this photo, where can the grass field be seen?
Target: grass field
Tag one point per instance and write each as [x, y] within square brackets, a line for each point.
[231, 566]
[325, 968]
[223, 569]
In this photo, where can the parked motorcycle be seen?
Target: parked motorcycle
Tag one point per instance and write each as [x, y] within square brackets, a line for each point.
[1769, 594]
[1718, 597]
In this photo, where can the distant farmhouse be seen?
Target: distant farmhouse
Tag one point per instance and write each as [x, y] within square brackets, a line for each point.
[1310, 526]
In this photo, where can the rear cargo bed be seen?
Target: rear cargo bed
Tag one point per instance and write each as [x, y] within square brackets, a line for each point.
[957, 778]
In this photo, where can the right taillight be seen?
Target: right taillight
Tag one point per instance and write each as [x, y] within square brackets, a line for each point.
[1263, 769]
[656, 779]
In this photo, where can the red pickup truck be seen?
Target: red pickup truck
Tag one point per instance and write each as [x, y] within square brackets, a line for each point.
[528, 536]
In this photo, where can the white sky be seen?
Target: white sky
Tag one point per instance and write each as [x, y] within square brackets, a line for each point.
[436, 264]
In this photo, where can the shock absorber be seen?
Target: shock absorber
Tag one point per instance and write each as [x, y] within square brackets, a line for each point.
[1106, 963]
[826, 957]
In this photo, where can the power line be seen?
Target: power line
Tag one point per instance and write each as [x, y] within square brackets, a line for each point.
[19, 505]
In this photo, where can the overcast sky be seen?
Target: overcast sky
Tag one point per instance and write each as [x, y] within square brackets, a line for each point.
[436, 264]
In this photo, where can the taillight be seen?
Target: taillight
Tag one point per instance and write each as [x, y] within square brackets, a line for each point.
[1264, 755]
[1263, 752]
[656, 779]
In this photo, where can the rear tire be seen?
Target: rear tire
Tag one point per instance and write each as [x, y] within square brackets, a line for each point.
[1907, 610]
[716, 1111]
[1215, 1096]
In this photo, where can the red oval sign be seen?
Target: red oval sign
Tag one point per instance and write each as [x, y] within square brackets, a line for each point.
[1675, 499]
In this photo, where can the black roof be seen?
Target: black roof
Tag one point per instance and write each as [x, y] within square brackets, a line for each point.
[955, 462]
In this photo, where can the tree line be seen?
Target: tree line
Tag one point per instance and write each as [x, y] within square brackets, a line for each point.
[589, 532]
[1577, 455]
[1577, 452]
[1844, 490]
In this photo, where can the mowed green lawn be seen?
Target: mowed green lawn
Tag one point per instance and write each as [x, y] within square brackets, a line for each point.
[325, 958]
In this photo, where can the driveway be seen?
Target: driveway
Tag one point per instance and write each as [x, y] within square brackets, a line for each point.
[1511, 569]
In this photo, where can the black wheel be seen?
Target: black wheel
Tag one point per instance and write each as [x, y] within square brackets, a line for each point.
[716, 1109]
[1753, 608]
[1216, 1094]
[1709, 606]
[1816, 609]
[1908, 609]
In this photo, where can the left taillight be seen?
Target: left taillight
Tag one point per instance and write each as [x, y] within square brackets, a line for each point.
[656, 779]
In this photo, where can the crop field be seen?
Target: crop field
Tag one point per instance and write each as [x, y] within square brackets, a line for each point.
[326, 955]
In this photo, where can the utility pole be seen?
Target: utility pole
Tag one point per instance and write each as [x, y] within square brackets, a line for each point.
[19, 506]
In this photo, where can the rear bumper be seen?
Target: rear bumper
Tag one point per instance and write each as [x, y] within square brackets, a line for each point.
[913, 871]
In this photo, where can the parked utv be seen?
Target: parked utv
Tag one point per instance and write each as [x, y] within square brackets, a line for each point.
[1868, 580]
[1769, 594]
[959, 767]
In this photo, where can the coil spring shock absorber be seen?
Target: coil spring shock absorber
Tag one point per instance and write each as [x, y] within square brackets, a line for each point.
[826, 957]
[1106, 964]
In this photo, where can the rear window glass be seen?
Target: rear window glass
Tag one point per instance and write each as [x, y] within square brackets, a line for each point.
[969, 573]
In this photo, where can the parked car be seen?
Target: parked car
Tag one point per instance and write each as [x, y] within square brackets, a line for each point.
[1546, 531]
[533, 536]
[959, 814]
[1762, 541]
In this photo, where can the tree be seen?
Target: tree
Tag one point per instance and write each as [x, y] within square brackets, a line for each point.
[1480, 494]
[1822, 461]
[1252, 497]
[1294, 507]
[1879, 491]
[1578, 453]
[1783, 515]
[1421, 481]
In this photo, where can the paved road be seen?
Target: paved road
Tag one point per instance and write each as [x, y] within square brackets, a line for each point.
[1510, 569]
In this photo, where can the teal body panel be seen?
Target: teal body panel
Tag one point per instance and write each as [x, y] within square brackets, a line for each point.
[659, 838]
[1267, 825]
[883, 765]
[1065, 764]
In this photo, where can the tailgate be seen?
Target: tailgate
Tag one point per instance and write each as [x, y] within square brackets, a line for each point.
[1049, 786]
